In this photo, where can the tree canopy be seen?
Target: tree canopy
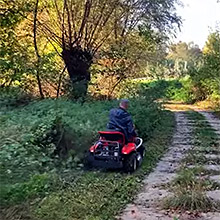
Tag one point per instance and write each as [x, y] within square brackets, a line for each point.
[73, 35]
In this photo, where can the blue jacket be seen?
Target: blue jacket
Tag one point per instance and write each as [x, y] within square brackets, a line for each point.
[120, 119]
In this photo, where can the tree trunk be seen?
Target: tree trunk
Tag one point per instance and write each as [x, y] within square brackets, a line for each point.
[36, 50]
[60, 81]
[78, 63]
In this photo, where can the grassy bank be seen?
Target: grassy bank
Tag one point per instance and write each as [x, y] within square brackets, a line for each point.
[42, 146]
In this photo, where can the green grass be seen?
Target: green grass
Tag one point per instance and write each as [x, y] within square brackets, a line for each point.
[201, 171]
[96, 194]
[187, 178]
[173, 89]
[99, 195]
[193, 200]
[205, 140]
[29, 135]
[38, 184]
[190, 193]
[195, 157]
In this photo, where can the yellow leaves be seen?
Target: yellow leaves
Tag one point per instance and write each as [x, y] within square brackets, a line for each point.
[212, 45]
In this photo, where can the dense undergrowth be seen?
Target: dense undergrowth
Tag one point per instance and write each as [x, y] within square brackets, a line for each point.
[42, 149]
[99, 195]
[80, 194]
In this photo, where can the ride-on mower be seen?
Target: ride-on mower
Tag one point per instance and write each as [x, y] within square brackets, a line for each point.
[112, 151]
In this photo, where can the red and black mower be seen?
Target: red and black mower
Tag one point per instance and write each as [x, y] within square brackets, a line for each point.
[112, 151]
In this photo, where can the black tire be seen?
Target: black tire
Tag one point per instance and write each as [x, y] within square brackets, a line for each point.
[142, 151]
[88, 160]
[130, 163]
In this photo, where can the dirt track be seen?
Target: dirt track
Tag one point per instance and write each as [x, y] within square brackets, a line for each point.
[148, 203]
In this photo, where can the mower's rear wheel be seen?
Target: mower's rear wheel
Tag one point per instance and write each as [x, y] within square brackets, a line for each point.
[88, 160]
[130, 163]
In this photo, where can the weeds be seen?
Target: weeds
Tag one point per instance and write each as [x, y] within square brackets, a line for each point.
[195, 157]
[201, 171]
[38, 185]
[191, 200]
[98, 195]
[190, 193]
[34, 132]
[187, 178]
[205, 141]
[190, 186]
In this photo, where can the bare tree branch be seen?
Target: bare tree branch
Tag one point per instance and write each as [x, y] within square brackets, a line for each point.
[36, 49]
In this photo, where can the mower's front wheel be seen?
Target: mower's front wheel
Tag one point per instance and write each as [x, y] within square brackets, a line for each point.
[130, 163]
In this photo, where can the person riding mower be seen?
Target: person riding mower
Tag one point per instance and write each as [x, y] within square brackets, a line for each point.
[119, 147]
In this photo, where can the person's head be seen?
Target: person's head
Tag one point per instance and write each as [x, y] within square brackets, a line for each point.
[124, 103]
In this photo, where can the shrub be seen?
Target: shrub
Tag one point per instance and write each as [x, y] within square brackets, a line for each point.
[14, 96]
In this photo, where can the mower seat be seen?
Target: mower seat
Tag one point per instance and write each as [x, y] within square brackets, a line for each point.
[113, 136]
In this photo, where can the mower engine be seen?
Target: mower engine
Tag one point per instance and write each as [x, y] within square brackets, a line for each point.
[111, 151]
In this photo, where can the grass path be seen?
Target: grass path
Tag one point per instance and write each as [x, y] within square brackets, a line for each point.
[185, 184]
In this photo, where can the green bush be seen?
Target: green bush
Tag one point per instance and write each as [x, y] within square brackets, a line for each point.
[152, 90]
[182, 90]
[14, 96]
[178, 90]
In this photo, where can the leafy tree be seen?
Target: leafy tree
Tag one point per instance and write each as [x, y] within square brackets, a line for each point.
[81, 33]
[81, 28]
[185, 52]
[13, 53]
[209, 73]
[120, 62]
[212, 46]
[184, 56]
[19, 65]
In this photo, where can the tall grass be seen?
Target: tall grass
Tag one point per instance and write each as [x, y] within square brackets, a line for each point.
[54, 134]
[41, 151]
